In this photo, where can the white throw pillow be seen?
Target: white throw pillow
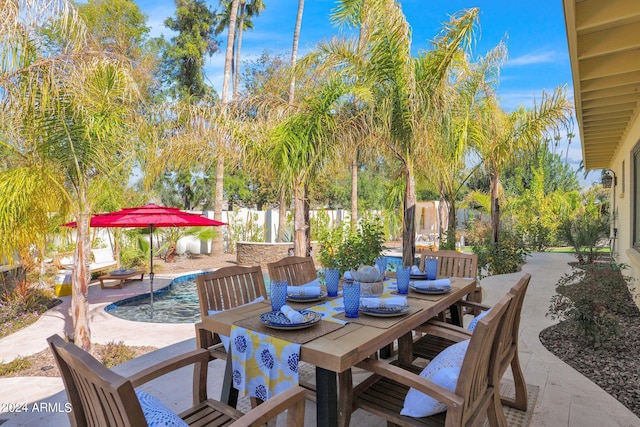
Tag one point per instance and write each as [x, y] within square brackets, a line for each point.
[475, 320]
[224, 338]
[156, 413]
[443, 370]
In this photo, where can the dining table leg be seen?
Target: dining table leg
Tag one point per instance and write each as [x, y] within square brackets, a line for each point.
[229, 393]
[326, 398]
[345, 395]
[456, 315]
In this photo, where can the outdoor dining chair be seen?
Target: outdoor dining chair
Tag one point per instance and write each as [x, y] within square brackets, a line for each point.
[225, 288]
[456, 264]
[99, 397]
[295, 270]
[440, 335]
[475, 394]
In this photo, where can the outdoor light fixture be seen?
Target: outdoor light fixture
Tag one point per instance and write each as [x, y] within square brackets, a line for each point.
[608, 178]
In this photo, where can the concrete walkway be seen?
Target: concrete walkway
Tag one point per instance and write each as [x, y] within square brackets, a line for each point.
[566, 397]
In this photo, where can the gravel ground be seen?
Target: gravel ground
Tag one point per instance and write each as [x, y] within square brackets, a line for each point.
[615, 369]
[44, 365]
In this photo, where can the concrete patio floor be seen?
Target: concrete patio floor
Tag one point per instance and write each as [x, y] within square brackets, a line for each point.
[566, 398]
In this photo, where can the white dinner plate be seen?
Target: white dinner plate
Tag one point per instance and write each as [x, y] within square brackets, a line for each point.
[385, 311]
[434, 291]
[307, 298]
[277, 320]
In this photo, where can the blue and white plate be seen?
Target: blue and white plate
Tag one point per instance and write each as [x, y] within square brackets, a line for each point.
[431, 291]
[396, 310]
[277, 320]
[307, 298]
[421, 276]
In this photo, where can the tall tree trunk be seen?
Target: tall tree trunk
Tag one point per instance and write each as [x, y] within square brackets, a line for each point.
[307, 222]
[451, 231]
[409, 219]
[80, 283]
[217, 247]
[354, 192]
[300, 238]
[442, 218]
[236, 72]
[300, 226]
[294, 50]
[282, 217]
[495, 207]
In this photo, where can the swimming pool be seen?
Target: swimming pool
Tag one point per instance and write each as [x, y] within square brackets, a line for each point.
[176, 303]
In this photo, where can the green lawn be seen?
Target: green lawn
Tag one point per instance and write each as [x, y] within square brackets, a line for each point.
[570, 250]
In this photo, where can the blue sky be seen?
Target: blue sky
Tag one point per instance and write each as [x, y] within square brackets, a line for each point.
[534, 33]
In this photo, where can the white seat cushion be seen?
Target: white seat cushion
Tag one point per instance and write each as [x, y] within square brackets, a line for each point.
[443, 370]
[156, 413]
[475, 320]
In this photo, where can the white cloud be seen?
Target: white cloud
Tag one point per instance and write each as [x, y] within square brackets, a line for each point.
[534, 58]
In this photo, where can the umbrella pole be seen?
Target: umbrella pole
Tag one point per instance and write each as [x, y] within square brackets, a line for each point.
[151, 270]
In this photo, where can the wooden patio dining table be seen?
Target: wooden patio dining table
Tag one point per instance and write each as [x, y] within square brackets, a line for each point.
[339, 350]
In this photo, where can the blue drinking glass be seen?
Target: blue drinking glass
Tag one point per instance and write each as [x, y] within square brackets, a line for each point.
[431, 268]
[403, 275]
[351, 294]
[278, 294]
[381, 263]
[332, 279]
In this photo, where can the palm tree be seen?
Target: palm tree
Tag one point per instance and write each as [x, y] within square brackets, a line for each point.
[302, 143]
[355, 13]
[63, 111]
[217, 248]
[247, 11]
[294, 49]
[244, 14]
[407, 91]
[500, 137]
[447, 154]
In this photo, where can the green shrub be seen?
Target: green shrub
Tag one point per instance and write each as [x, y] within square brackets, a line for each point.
[585, 232]
[22, 306]
[593, 297]
[344, 248]
[17, 364]
[114, 354]
[506, 257]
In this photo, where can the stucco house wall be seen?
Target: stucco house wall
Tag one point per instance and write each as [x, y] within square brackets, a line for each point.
[622, 200]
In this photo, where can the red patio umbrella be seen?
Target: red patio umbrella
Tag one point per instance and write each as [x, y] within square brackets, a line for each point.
[151, 216]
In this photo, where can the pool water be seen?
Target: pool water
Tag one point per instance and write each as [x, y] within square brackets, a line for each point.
[176, 303]
[394, 262]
